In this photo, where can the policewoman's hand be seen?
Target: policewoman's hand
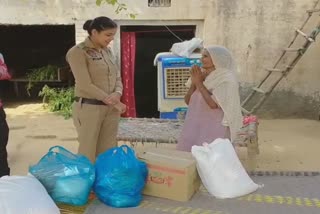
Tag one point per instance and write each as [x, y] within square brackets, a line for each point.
[112, 99]
[121, 107]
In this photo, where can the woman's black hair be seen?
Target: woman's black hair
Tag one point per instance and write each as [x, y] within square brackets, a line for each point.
[99, 24]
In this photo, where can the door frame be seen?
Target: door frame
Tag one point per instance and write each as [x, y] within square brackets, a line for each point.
[116, 44]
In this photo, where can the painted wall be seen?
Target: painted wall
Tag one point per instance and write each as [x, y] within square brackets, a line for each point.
[256, 31]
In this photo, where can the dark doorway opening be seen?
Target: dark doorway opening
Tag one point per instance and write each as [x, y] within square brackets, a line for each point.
[26, 47]
[151, 40]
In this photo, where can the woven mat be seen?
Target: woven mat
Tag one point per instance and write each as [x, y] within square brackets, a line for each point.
[168, 131]
[149, 130]
[70, 209]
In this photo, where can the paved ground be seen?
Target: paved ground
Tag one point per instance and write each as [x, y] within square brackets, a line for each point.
[280, 194]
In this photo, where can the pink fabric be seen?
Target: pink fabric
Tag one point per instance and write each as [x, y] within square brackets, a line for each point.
[202, 124]
[4, 74]
[250, 119]
[128, 52]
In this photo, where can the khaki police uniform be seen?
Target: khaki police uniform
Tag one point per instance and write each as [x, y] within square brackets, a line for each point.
[96, 77]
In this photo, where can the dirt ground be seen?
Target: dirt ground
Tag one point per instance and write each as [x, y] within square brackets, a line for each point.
[292, 144]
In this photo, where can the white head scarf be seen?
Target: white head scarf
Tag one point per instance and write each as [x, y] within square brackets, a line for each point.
[224, 86]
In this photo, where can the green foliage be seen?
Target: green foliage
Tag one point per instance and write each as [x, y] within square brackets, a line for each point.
[58, 100]
[46, 73]
[119, 6]
[132, 16]
[112, 2]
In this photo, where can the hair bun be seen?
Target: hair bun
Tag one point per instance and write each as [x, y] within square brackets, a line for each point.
[87, 24]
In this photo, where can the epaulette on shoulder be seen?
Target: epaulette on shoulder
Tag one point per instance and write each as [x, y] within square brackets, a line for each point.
[82, 46]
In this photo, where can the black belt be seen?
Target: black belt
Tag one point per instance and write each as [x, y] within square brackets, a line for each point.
[89, 101]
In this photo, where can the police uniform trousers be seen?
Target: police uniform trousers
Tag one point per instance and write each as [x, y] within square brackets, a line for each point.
[97, 127]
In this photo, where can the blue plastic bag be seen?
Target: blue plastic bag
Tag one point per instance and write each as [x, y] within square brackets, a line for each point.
[120, 177]
[67, 177]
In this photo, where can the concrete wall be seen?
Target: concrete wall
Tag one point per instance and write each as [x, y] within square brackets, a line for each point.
[255, 31]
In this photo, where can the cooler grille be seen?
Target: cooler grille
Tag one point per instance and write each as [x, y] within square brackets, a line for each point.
[175, 79]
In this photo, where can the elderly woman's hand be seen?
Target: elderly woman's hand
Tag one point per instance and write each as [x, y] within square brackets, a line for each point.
[196, 75]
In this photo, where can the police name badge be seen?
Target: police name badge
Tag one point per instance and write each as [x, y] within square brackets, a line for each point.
[94, 55]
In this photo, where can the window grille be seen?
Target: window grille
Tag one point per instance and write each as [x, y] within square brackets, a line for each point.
[159, 3]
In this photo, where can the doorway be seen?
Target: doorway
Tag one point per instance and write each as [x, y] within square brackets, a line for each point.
[26, 47]
[149, 41]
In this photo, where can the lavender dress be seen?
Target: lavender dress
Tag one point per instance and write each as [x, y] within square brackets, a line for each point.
[202, 124]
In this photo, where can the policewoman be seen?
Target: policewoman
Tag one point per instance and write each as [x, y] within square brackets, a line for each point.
[98, 89]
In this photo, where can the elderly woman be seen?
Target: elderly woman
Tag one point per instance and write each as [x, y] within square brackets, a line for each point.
[213, 100]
